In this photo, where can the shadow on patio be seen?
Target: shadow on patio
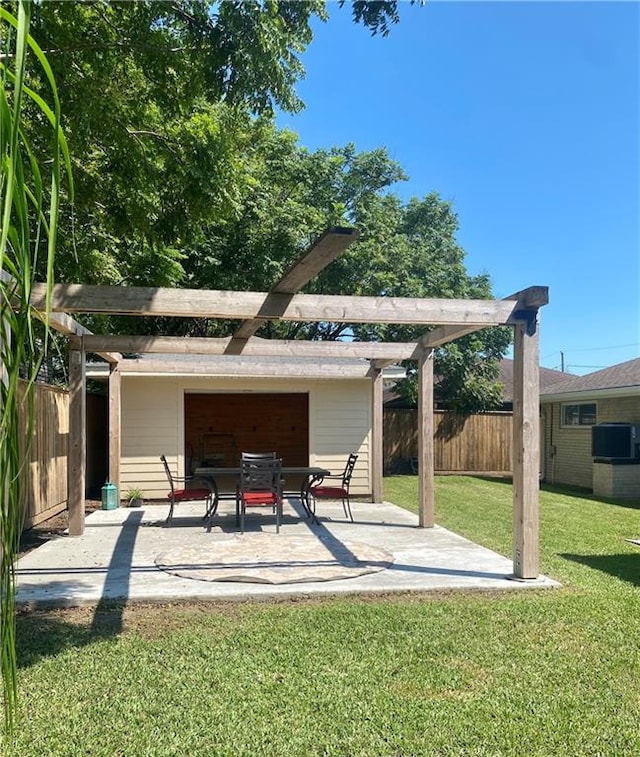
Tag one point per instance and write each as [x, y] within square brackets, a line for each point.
[125, 556]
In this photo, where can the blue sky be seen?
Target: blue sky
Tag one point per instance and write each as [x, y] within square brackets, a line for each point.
[525, 116]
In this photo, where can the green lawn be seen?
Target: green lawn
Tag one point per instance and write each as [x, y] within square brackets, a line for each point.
[537, 672]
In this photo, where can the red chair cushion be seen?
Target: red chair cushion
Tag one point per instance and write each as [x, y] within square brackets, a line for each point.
[187, 494]
[328, 491]
[259, 498]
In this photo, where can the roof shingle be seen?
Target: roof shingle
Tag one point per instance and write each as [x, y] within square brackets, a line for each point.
[615, 377]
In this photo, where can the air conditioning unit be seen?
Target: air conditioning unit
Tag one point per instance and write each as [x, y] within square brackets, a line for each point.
[616, 441]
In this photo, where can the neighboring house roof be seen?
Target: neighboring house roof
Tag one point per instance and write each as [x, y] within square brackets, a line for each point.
[548, 377]
[621, 379]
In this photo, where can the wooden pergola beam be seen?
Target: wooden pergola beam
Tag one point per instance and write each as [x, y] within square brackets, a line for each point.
[115, 418]
[526, 300]
[201, 303]
[377, 451]
[237, 365]
[426, 431]
[379, 363]
[64, 324]
[387, 352]
[330, 245]
[530, 298]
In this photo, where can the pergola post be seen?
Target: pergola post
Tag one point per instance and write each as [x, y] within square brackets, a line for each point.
[114, 425]
[77, 441]
[377, 453]
[426, 470]
[526, 446]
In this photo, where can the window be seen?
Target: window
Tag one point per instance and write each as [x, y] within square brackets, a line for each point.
[583, 414]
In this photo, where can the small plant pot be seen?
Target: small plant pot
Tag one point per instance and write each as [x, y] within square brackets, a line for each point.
[136, 502]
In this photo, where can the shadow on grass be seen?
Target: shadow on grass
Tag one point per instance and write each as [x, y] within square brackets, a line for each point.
[107, 618]
[42, 633]
[626, 567]
[566, 491]
[46, 634]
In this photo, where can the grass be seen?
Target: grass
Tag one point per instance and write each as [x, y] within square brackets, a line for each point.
[538, 672]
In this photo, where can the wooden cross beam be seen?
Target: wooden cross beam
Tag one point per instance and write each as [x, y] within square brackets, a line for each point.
[331, 244]
[239, 365]
[384, 351]
[63, 323]
[527, 299]
[202, 303]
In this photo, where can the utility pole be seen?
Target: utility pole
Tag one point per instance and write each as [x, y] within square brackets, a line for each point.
[562, 361]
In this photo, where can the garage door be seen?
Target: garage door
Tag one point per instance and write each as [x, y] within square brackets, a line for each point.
[218, 427]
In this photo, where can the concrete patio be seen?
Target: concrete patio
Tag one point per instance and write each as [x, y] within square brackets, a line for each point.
[129, 554]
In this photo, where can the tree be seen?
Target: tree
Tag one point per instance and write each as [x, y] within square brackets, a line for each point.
[156, 153]
[411, 251]
[183, 179]
[289, 195]
[420, 257]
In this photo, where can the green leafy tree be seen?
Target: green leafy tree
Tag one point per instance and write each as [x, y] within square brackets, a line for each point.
[183, 179]
[408, 250]
[411, 251]
[157, 102]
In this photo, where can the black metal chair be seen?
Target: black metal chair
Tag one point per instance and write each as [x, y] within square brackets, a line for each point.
[258, 456]
[194, 494]
[337, 491]
[260, 485]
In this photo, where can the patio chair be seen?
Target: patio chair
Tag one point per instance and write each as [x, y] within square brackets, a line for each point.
[258, 456]
[260, 485]
[187, 494]
[336, 491]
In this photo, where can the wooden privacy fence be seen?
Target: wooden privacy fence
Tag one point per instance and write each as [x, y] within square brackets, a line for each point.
[45, 469]
[472, 444]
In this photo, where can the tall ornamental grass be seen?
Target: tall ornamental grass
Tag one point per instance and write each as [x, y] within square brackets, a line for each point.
[29, 201]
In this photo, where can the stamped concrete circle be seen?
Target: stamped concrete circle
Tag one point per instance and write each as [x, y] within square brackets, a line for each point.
[273, 559]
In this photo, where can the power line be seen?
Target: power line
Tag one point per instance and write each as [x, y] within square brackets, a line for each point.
[597, 349]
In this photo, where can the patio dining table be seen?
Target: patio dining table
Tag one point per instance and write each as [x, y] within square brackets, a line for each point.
[309, 475]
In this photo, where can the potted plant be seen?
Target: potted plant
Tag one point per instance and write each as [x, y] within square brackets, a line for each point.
[134, 497]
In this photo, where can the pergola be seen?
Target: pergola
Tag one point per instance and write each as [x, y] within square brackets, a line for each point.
[447, 320]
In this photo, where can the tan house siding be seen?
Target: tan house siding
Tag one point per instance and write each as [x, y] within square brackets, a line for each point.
[340, 423]
[153, 424]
